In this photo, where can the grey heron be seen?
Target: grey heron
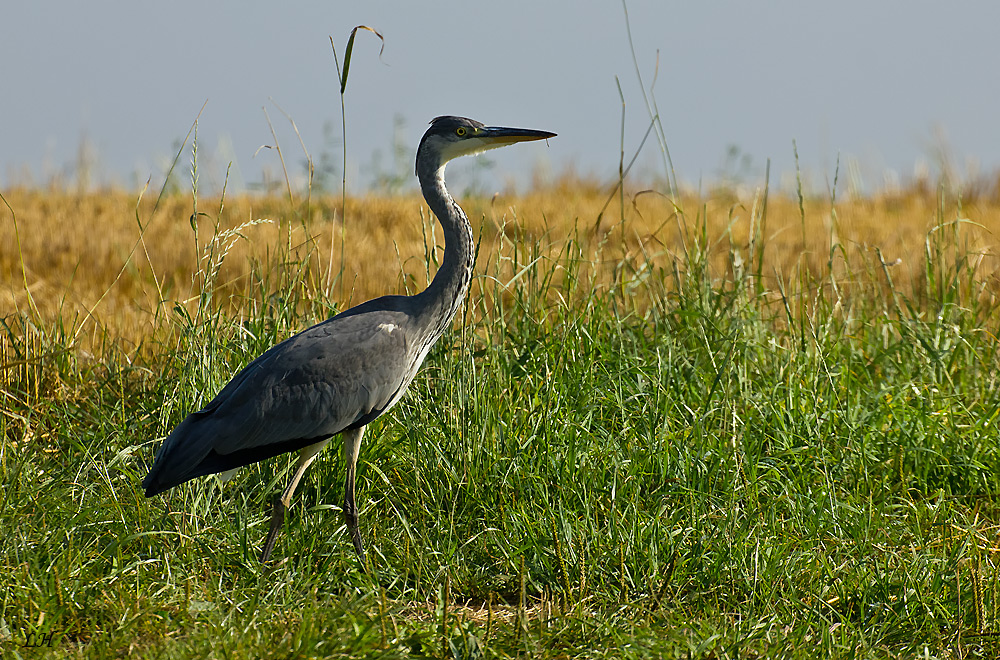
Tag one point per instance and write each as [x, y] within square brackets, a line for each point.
[337, 376]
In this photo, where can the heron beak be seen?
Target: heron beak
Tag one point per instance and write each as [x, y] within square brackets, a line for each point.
[497, 136]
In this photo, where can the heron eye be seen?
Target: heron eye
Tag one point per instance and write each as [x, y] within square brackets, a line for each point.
[460, 131]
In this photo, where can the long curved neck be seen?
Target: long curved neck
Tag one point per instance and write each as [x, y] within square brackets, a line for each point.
[444, 296]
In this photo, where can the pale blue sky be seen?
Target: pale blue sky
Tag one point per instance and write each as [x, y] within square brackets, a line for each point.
[882, 83]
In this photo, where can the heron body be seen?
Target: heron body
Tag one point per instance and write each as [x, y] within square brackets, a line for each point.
[339, 375]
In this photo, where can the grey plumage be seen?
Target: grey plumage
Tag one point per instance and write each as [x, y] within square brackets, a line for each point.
[339, 375]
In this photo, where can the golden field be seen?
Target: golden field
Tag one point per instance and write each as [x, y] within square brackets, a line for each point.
[113, 264]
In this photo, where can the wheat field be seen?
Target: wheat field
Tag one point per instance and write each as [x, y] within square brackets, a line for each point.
[108, 262]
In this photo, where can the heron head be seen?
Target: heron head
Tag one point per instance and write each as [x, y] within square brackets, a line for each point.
[451, 137]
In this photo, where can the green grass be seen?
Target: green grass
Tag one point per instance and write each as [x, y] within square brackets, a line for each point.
[608, 459]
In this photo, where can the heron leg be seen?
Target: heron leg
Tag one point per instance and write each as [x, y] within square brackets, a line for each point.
[277, 522]
[306, 456]
[352, 445]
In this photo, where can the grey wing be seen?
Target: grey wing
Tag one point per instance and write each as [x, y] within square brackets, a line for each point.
[336, 375]
[316, 385]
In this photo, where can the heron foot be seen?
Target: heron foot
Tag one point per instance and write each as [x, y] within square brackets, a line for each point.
[277, 521]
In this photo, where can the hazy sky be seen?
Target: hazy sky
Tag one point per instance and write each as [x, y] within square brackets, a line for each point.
[886, 84]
